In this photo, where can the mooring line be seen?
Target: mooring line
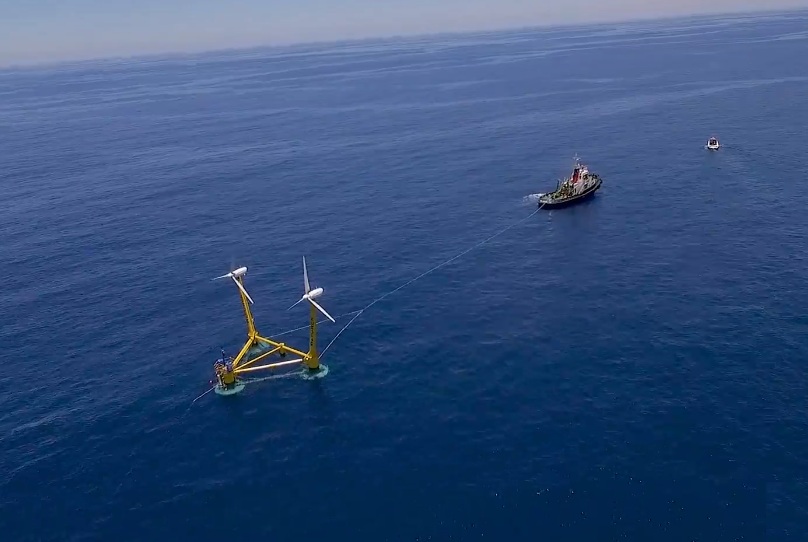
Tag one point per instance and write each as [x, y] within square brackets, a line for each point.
[324, 320]
[357, 312]
[447, 262]
[425, 273]
[204, 394]
[340, 332]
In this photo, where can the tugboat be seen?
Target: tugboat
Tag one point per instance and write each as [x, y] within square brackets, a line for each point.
[581, 185]
[713, 144]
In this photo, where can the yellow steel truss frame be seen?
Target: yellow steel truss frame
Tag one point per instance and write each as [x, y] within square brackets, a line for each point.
[310, 359]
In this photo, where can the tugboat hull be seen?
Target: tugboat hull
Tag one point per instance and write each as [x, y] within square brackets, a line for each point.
[566, 202]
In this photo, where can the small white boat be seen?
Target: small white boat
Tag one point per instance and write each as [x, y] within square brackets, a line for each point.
[713, 144]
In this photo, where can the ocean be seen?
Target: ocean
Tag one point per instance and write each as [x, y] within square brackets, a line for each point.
[631, 368]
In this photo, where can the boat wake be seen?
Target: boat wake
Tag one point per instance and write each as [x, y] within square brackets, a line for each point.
[532, 198]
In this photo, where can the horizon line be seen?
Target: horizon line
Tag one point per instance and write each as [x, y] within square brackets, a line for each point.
[175, 54]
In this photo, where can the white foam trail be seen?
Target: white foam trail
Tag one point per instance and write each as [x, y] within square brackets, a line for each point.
[533, 198]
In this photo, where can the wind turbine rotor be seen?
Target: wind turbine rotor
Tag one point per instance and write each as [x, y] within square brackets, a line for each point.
[240, 272]
[309, 294]
[235, 275]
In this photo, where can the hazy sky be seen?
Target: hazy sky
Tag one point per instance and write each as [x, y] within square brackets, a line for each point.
[47, 30]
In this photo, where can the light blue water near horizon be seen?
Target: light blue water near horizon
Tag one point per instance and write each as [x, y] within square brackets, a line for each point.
[629, 369]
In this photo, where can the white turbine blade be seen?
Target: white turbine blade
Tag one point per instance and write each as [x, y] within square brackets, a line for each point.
[322, 310]
[305, 277]
[296, 302]
[240, 287]
[223, 276]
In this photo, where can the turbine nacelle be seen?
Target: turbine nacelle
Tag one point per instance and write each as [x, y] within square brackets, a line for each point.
[240, 272]
[235, 275]
[317, 292]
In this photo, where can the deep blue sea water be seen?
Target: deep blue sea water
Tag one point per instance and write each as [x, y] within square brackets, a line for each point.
[634, 368]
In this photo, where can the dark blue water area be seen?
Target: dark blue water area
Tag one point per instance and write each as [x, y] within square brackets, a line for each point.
[631, 368]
